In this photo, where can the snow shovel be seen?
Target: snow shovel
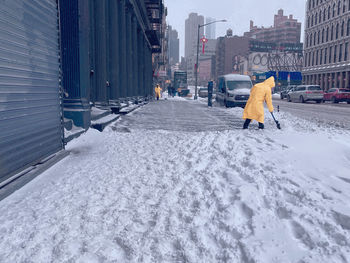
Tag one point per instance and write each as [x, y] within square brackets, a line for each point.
[277, 123]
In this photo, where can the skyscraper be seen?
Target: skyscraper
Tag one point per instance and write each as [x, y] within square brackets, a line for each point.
[174, 46]
[210, 30]
[191, 29]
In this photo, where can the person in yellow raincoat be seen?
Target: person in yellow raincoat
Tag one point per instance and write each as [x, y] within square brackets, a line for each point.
[158, 91]
[254, 109]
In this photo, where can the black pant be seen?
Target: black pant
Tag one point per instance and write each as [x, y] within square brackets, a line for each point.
[247, 122]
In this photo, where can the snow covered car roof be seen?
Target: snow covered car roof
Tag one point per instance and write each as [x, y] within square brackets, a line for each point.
[236, 77]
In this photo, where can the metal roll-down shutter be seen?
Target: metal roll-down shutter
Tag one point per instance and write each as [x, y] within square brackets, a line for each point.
[30, 111]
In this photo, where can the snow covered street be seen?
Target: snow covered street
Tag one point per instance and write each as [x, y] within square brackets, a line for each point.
[175, 181]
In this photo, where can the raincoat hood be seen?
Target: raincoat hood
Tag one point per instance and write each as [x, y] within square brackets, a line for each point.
[270, 82]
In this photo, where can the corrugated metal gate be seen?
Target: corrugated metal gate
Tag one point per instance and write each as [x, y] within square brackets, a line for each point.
[30, 112]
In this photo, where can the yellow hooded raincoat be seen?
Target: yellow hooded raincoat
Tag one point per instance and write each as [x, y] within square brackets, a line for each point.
[157, 91]
[259, 94]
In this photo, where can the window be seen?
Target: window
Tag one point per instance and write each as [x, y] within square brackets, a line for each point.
[320, 17]
[307, 41]
[313, 58]
[332, 30]
[335, 54]
[314, 38]
[322, 40]
[318, 37]
[312, 20]
[309, 4]
[310, 40]
[338, 13]
[314, 88]
[327, 34]
[305, 62]
[344, 6]
[309, 63]
[329, 12]
[346, 51]
[348, 27]
[325, 56]
[308, 22]
[316, 62]
[342, 29]
[340, 52]
[330, 55]
[321, 56]
[337, 31]
[333, 11]
[349, 5]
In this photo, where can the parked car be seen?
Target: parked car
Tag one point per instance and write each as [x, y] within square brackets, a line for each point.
[233, 90]
[284, 92]
[337, 95]
[305, 93]
[203, 92]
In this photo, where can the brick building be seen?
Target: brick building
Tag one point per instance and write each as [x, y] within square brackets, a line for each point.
[228, 49]
[285, 30]
[326, 48]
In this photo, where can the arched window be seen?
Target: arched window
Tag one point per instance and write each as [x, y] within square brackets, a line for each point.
[333, 11]
[324, 14]
[313, 3]
[322, 39]
[327, 34]
[337, 31]
[339, 5]
[312, 20]
[342, 29]
[318, 37]
[348, 28]
[329, 12]
[309, 4]
[307, 41]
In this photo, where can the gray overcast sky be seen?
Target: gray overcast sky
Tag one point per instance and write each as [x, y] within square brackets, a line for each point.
[238, 13]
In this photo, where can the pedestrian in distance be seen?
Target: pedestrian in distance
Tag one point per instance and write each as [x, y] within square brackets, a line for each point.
[158, 91]
[254, 109]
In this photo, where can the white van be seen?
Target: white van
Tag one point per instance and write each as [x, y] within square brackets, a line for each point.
[233, 90]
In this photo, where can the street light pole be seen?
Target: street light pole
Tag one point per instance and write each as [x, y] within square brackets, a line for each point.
[196, 66]
[197, 62]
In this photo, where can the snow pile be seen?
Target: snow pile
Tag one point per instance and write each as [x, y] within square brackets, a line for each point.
[166, 195]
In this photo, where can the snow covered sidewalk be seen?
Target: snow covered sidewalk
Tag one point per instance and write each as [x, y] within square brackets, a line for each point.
[173, 187]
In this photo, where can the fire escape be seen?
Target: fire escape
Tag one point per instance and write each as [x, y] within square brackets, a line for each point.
[155, 15]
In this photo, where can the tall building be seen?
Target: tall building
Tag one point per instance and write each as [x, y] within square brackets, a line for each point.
[191, 32]
[209, 51]
[210, 30]
[326, 44]
[285, 30]
[173, 46]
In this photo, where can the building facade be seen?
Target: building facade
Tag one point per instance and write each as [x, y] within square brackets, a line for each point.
[210, 30]
[60, 59]
[228, 51]
[173, 46]
[209, 51]
[285, 30]
[326, 44]
[191, 33]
